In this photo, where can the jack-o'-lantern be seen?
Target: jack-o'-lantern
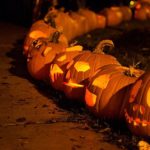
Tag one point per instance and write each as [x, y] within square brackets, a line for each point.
[81, 68]
[106, 93]
[41, 29]
[41, 54]
[58, 66]
[137, 112]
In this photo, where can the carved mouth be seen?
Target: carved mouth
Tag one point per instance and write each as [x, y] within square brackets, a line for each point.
[136, 121]
[29, 57]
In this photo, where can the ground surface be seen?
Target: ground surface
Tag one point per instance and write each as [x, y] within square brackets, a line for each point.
[34, 116]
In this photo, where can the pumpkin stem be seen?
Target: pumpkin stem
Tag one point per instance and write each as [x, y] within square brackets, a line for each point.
[102, 44]
[55, 37]
[48, 19]
[133, 72]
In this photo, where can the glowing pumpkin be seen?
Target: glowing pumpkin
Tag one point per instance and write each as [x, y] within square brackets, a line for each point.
[81, 68]
[40, 29]
[106, 93]
[137, 112]
[41, 54]
[58, 66]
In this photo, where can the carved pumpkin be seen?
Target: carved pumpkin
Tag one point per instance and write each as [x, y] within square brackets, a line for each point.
[41, 54]
[59, 64]
[113, 16]
[41, 29]
[80, 69]
[137, 112]
[106, 93]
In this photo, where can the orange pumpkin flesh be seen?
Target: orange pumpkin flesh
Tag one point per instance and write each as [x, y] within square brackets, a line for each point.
[72, 84]
[90, 98]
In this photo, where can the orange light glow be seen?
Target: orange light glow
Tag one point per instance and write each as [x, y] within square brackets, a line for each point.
[36, 34]
[144, 123]
[68, 75]
[148, 97]
[136, 122]
[55, 70]
[74, 48]
[134, 91]
[62, 58]
[81, 66]
[47, 50]
[102, 81]
[70, 64]
[136, 107]
[142, 109]
[90, 98]
[73, 85]
[138, 6]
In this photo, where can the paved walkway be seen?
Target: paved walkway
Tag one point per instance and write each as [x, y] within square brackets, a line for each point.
[28, 116]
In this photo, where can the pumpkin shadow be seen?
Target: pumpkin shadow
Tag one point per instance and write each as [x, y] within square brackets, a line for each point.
[18, 64]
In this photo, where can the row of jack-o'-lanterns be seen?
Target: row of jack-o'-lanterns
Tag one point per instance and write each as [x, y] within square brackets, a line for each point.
[74, 24]
[108, 89]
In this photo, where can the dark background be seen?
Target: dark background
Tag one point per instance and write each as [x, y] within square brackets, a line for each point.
[20, 11]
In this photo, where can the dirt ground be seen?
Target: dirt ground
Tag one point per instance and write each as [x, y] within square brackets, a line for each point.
[34, 116]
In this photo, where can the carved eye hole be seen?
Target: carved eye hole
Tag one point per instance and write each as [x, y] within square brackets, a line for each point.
[37, 44]
[34, 42]
[46, 51]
